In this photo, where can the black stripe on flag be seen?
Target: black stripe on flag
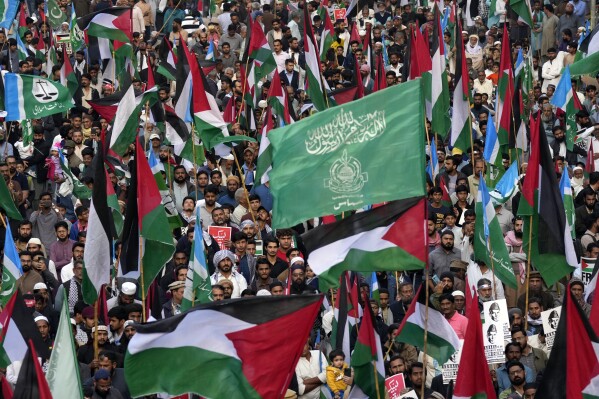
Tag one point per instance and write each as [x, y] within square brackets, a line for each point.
[357, 223]
[254, 310]
[129, 260]
[22, 317]
[83, 22]
[99, 198]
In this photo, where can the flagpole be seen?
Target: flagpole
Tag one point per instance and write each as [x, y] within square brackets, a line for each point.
[143, 287]
[243, 93]
[428, 141]
[96, 329]
[492, 268]
[424, 359]
[376, 381]
[528, 271]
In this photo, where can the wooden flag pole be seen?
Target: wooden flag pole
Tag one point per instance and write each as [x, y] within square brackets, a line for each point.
[96, 329]
[528, 272]
[424, 346]
[143, 287]
[376, 381]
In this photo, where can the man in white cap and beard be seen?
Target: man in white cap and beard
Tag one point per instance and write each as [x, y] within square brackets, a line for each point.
[224, 262]
[125, 297]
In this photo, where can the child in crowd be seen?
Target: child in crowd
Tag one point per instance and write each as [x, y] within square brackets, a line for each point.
[336, 372]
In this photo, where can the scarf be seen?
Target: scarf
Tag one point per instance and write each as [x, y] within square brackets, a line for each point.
[73, 294]
[476, 49]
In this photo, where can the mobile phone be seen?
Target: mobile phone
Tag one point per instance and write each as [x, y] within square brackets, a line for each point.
[347, 372]
[436, 279]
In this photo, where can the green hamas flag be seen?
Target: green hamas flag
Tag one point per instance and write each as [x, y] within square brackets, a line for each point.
[349, 156]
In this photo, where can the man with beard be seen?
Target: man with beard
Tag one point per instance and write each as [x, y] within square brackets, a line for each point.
[534, 358]
[181, 187]
[164, 154]
[584, 211]
[44, 220]
[103, 388]
[228, 197]
[125, 297]
[278, 266]
[38, 160]
[218, 219]
[262, 279]
[558, 147]
[440, 258]
[552, 69]
[20, 178]
[207, 205]
[224, 261]
[84, 94]
[72, 288]
[534, 322]
[67, 271]
[23, 235]
[108, 361]
[399, 308]
[458, 322]
[117, 317]
[536, 291]
[513, 242]
[517, 376]
[577, 289]
[513, 352]
[30, 277]
[85, 354]
[298, 277]
[479, 270]
[445, 286]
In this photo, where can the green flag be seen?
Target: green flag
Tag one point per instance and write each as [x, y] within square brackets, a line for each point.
[488, 238]
[63, 367]
[54, 14]
[33, 97]
[11, 270]
[7, 203]
[349, 156]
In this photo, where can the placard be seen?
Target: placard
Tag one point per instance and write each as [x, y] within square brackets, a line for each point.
[221, 234]
[550, 320]
[496, 330]
[450, 368]
[588, 265]
[259, 248]
[339, 13]
[395, 384]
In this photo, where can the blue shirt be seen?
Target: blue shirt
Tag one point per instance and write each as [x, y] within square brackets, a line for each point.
[503, 379]
[265, 197]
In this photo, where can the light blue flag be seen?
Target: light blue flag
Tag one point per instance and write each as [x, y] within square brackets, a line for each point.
[519, 63]
[492, 150]
[210, 53]
[507, 185]
[483, 193]
[563, 91]
[12, 268]
[10, 12]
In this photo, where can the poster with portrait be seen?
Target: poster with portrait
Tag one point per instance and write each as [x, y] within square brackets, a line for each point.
[450, 368]
[550, 319]
[496, 330]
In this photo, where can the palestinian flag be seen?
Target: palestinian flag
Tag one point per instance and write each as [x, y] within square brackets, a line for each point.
[126, 120]
[505, 90]
[113, 204]
[566, 99]
[168, 66]
[552, 249]
[264, 161]
[156, 239]
[67, 76]
[108, 105]
[315, 88]
[572, 371]
[374, 240]
[343, 96]
[367, 359]
[98, 251]
[198, 286]
[473, 380]
[420, 60]
[129, 257]
[328, 33]
[172, 214]
[440, 122]
[112, 23]
[442, 341]
[31, 382]
[277, 99]
[260, 52]
[208, 118]
[17, 328]
[346, 313]
[8, 12]
[227, 346]
[461, 128]
[489, 245]
[522, 8]
[180, 136]
[7, 203]
[11, 270]
[380, 80]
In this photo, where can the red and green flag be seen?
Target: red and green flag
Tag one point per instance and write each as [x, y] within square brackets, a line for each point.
[112, 23]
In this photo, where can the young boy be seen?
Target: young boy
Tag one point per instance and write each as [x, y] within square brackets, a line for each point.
[336, 372]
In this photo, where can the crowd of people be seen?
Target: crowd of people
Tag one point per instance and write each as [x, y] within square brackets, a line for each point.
[258, 260]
